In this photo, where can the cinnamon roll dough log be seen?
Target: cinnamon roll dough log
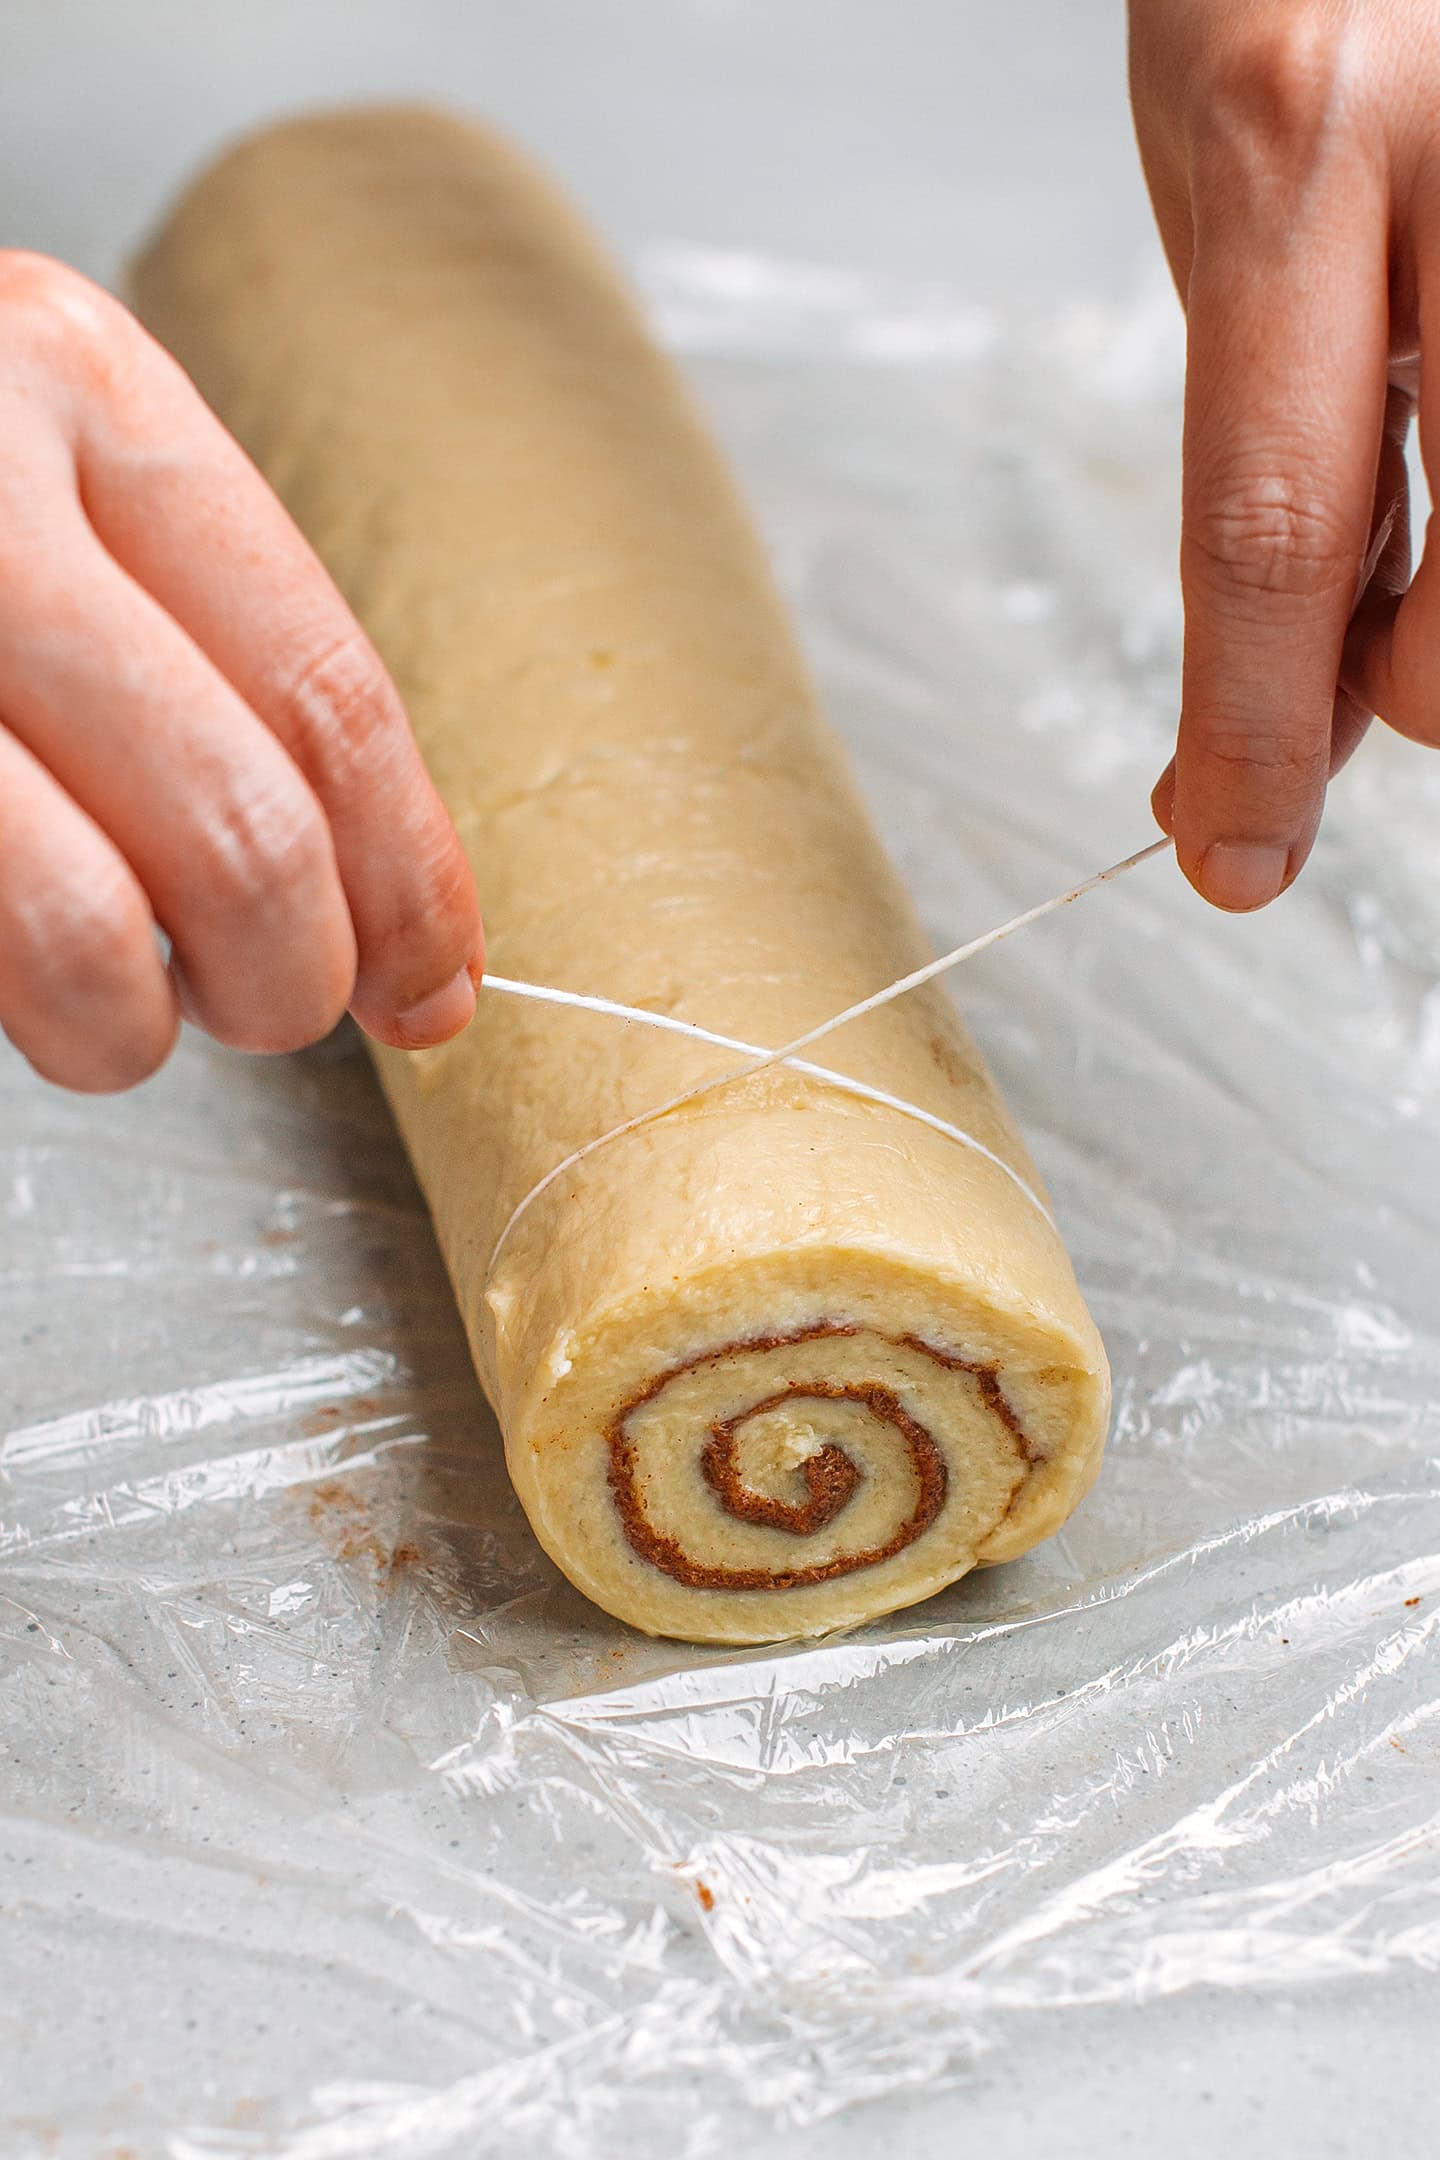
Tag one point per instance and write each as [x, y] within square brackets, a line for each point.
[784, 1359]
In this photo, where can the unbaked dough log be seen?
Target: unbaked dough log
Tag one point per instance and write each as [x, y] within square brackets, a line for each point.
[785, 1359]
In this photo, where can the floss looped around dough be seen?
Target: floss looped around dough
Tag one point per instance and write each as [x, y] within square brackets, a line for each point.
[756, 1059]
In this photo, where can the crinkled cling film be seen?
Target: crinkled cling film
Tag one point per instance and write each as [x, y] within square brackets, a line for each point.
[337, 1824]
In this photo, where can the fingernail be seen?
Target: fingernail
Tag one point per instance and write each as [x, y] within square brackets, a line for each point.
[1242, 874]
[444, 1013]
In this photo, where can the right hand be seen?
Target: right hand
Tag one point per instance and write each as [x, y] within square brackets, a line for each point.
[1292, 150]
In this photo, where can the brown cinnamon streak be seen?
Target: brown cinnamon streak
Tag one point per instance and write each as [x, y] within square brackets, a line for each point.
[831, 1477]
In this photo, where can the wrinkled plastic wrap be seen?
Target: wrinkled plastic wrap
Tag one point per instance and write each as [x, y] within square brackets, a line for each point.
[335, 1824]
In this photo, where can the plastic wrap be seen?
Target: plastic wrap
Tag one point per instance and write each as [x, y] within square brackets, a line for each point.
[335, 1824]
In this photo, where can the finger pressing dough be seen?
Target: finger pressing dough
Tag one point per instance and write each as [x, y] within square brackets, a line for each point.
[785, 1358]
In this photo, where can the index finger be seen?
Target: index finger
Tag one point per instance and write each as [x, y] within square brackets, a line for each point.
[176, 501]
[1285, 392]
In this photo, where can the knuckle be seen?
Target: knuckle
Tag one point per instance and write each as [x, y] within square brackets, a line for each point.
[82, 970]
[28, 279]
[85, 946]
[1269, 95]
[51, 310]
[337, 702]
[1268, 537]
[266, 851]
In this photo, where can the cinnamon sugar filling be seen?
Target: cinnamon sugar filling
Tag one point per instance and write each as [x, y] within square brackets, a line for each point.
[830, 1476]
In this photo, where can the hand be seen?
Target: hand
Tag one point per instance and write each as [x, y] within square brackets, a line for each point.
[1292, 150]
[194, 734]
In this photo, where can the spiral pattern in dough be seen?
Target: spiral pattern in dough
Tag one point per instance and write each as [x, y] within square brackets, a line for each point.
[808, 1458]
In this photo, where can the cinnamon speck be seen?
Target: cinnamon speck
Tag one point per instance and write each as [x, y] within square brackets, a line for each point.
[344, 1521]
[706, 1896]
[321, 1420]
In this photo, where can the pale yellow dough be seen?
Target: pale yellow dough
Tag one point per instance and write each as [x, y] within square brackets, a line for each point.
[424, 351]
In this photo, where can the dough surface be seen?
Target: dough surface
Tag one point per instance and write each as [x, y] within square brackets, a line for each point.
[784, 1359]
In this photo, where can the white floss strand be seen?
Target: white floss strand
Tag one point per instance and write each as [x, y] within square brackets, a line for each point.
[756, 1059]
[759, 1057]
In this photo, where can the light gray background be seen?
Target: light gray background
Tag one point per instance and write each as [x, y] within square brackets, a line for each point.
[988, 144]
